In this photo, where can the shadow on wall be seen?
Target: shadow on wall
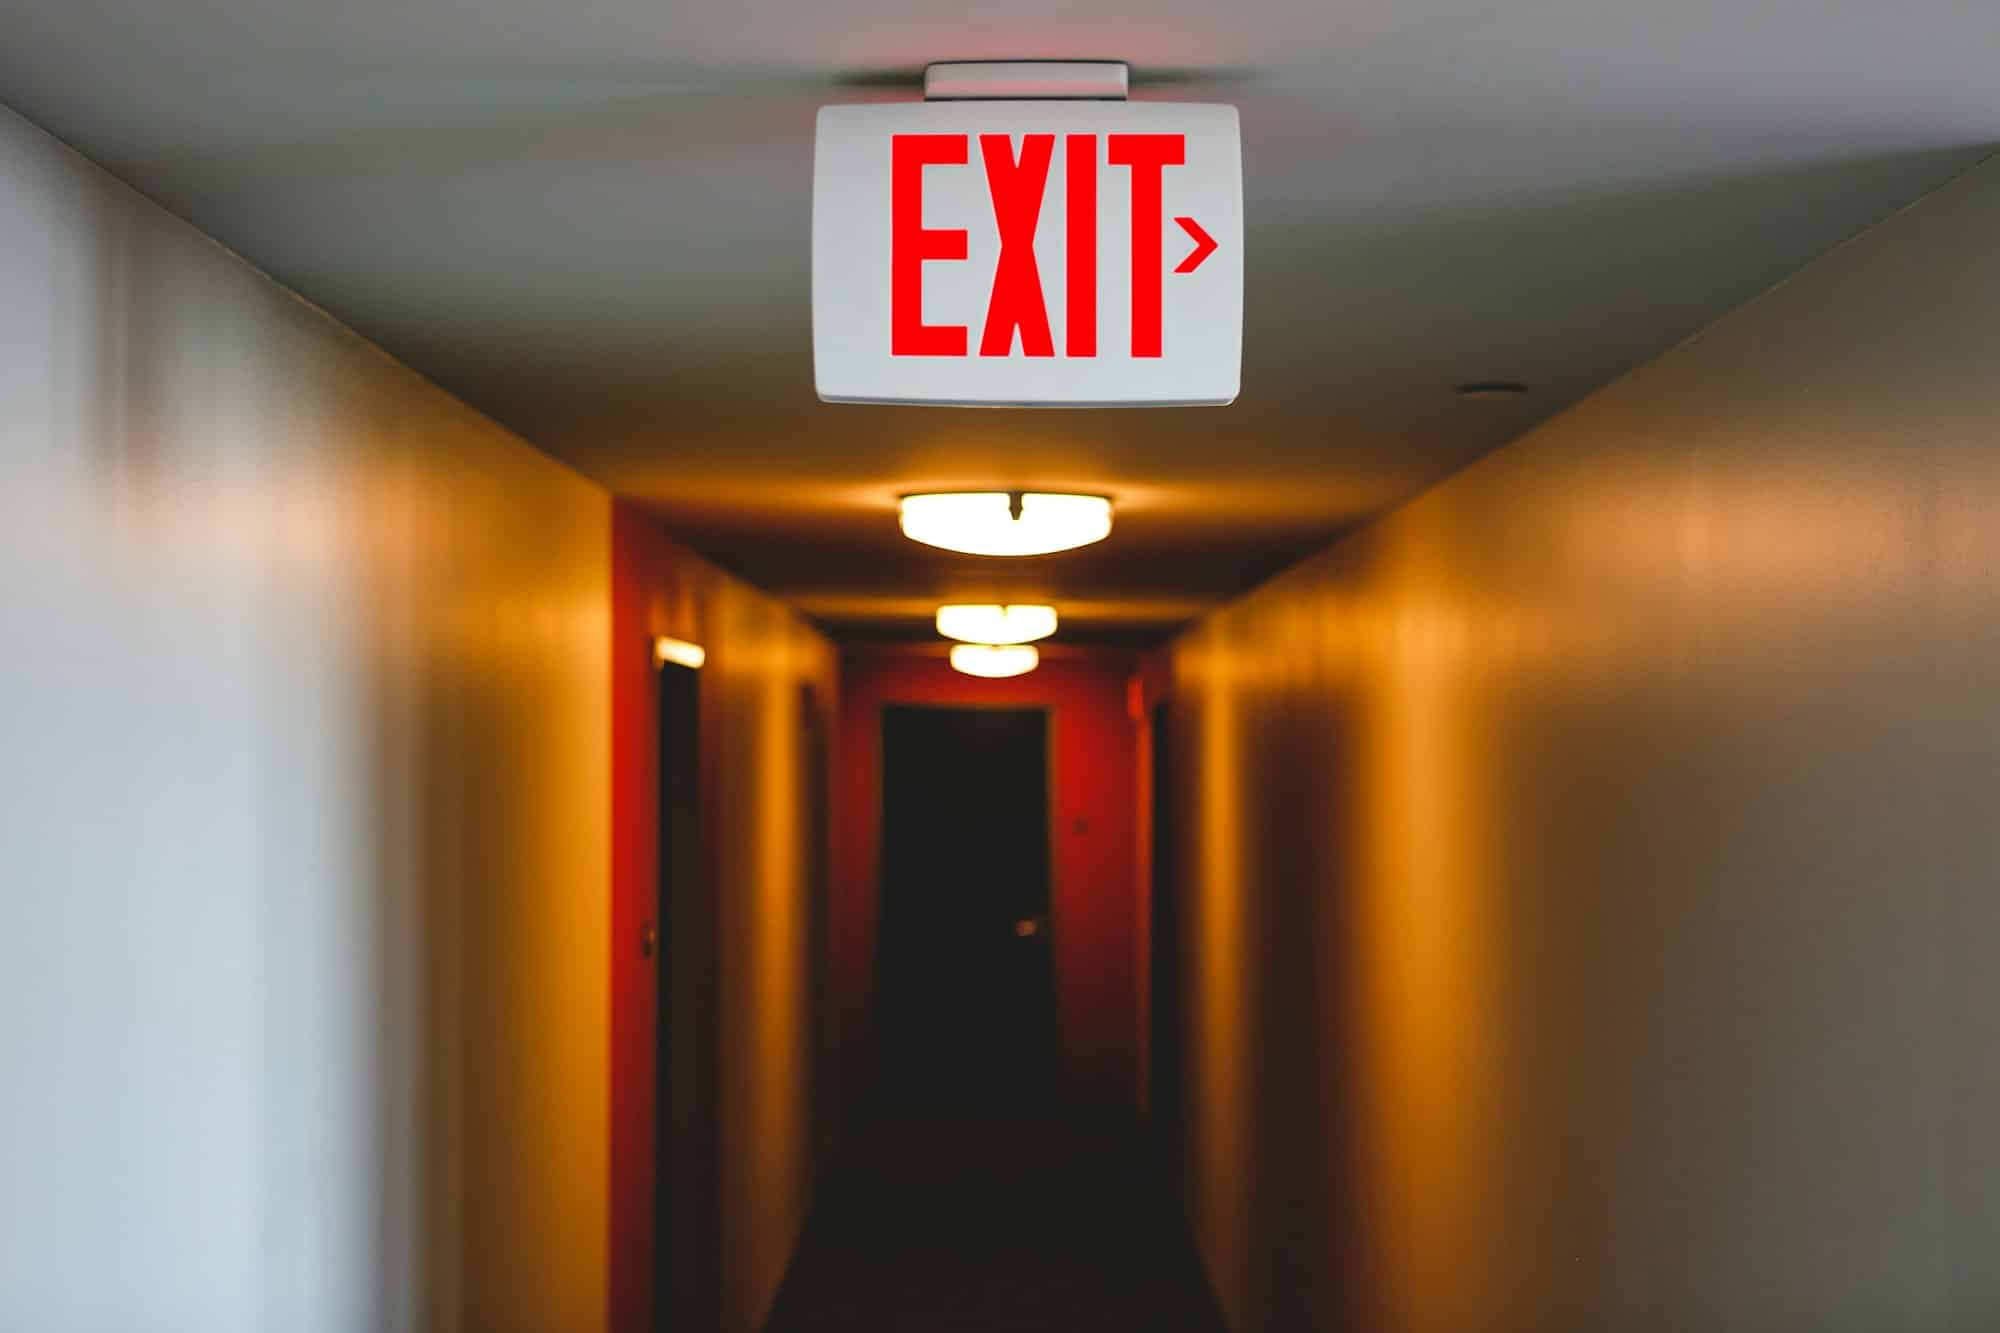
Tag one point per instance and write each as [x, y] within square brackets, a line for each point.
[1590, 865]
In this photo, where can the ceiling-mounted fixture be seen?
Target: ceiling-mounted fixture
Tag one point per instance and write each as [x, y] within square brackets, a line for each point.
[1492, 389]
[1117, 277]
[679, 652]
[1000, 523]
[1026, 80]
[995, 661]
[996, 624]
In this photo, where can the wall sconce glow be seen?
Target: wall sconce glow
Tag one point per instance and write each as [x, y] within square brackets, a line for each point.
[995, 661]
[999, 523]
[996, 624]
[679, 652]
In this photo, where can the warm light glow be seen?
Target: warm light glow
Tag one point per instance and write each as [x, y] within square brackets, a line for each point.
[678, 651]
[996, 624]
[994, 660]
[984, 523]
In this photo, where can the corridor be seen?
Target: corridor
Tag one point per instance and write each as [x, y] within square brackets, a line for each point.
[1158, 666]
[1018, 1223]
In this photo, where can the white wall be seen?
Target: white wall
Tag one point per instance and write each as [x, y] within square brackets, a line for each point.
[1593, 868]
[303, 810]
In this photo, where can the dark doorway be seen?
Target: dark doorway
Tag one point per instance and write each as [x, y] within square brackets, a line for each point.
[966, 1007]
[1164, 1091]
[686, 1237]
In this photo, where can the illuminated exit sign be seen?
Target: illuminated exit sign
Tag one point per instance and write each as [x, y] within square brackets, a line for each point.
[1029, 254]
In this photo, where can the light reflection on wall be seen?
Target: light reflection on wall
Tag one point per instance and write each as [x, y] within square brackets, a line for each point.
[1418, 955]
[773, 1111]
[765, 1119]
[1221, 1053]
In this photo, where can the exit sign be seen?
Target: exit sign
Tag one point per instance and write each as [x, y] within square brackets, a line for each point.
[1028, 254]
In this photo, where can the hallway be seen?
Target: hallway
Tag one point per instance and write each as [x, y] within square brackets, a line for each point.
[996, 1224]
[1349, 650]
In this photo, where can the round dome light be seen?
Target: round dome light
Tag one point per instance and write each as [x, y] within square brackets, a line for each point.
[995, 661]
[1000, 523]
[996, 624]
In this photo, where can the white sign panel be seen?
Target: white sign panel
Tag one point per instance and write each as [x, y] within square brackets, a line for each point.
[1029, 254]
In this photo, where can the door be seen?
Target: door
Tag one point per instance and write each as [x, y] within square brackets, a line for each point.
[686, 1232]
[966, 1008]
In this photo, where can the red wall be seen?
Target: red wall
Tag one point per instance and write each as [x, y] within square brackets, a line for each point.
[1095, 884]
[750, 1027]
[647, 599]
[1152, 675]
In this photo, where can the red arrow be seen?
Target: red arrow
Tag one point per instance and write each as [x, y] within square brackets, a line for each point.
[1204, 245]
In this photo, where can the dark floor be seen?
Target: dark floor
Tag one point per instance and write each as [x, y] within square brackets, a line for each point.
[1015, 1224]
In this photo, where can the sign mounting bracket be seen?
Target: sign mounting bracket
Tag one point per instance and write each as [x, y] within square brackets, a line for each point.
[1027, 81]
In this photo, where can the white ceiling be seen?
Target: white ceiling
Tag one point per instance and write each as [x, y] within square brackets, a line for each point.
[591, 220]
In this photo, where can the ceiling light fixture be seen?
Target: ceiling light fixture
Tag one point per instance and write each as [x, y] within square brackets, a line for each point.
[1006, 523]
[995, 661]
[679, 652]
[996, 624]
[1492, 389]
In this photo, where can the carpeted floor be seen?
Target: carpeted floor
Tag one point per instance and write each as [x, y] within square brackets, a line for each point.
[991, 1224]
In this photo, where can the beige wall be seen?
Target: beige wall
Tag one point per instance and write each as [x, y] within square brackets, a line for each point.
[1594, 868]
[769, 891]
[304, 810]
